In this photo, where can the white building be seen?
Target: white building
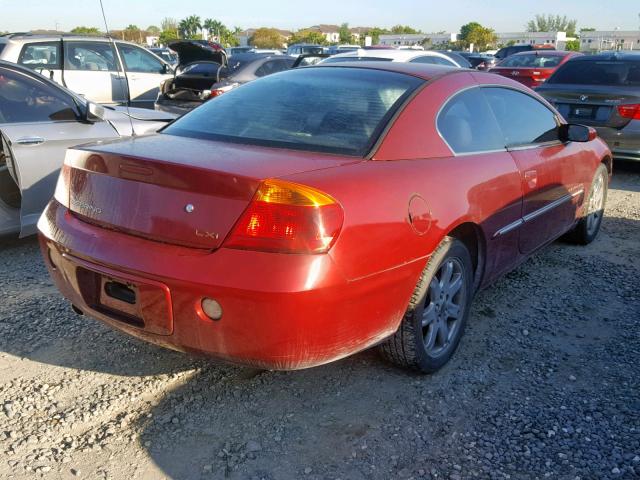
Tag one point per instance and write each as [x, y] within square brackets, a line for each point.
[406, 39]
[610, 40]
[557, 39]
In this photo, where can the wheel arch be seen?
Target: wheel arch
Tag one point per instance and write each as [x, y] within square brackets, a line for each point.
[607, 160]
[470, 234]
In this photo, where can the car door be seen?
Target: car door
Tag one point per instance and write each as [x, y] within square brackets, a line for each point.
[466, 123]
[92, 69]
[145, 73]
[38, 122]
[552, 191]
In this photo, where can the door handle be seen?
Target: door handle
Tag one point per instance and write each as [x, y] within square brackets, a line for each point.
[531, 177]
[30, 141]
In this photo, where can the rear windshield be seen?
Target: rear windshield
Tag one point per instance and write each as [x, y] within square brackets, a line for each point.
[356, 59]
[333, 110]
[618, 73]
[531, 61]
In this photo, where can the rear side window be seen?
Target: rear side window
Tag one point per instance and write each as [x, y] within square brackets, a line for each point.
[90, 57]
[590, 72]
[467, 124]
[36, 55]
[2, 45]
[334, 110]
[24, 99]
[273, 66]
[532, 61]
[433, 60]
[522, 119]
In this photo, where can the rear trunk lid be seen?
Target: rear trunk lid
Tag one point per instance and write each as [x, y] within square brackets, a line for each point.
[531, 77]
[176, 190]
[591, 105]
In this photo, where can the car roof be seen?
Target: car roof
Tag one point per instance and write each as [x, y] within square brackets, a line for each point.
[610, 56]
[545, 52]
[52, 37]
[394, 55]
[424, 71]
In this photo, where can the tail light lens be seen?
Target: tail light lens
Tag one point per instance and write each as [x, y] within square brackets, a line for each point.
[207, 94]
[287, 217]
[629, 111]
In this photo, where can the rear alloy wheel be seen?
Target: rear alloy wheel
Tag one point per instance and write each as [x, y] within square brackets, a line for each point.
[587, 228]
[435, 319]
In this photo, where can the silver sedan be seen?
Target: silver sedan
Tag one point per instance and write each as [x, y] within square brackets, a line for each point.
[39, 120]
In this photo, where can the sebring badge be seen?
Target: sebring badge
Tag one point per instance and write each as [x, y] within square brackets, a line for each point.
[85, 206]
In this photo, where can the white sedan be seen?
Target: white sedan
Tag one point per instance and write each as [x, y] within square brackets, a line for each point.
[392, 55]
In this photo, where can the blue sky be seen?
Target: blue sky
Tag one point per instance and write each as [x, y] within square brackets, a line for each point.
[427, 15]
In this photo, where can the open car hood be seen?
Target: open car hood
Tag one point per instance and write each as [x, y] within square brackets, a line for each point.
[189, 52]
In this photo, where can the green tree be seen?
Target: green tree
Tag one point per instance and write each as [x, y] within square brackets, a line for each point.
[552, 23]
[477, 34]
[153, 30]
[465, 29]
[406, 29]
[190, 26]
[308, 36]
[86, 31]
[168, 36]
[374, 33]
[169, 23]
[345, 34]
[266, 38]
[590, 29]
[572, 46]
[132, 28]
[214, 27]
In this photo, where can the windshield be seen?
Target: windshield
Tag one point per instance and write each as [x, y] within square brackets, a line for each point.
[333, 110]
[605, 72]
[532, 61]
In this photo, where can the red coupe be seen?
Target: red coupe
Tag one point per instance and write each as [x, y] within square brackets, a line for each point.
[532, 68]
[320, 211]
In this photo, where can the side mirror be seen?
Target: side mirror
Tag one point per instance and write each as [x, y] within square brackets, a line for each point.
[166, 69]
[93, 113]
[571, 132]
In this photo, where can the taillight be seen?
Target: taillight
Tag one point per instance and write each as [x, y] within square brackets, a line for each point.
[629, 111]
[207, 94]
[288, 217]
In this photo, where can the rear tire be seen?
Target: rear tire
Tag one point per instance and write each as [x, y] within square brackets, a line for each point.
[437, 313]
[587, 228]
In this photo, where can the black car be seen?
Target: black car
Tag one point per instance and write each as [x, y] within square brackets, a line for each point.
[601, 91]
[480, 61]
[201, 80]
[508, 51]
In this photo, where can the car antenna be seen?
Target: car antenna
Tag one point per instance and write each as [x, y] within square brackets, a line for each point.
[124, 71]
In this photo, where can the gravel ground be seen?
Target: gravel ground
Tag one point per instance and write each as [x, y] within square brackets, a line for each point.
[545, 384]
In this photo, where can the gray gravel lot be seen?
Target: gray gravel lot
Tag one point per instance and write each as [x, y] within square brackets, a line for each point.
[545, 384]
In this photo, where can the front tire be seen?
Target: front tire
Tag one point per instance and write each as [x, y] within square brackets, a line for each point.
[437, 313]
[587, 228]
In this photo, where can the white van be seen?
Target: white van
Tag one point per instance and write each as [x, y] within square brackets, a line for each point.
[100, 69]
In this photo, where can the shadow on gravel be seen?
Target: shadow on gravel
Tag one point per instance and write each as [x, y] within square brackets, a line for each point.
[36, 323]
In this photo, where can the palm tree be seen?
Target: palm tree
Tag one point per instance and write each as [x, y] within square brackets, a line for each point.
[214, 26]
[189, 26]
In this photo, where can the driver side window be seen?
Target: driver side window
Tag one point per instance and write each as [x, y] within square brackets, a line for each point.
[24, 99]
[523, 119]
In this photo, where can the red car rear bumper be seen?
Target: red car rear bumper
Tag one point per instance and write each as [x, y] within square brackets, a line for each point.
[279, 311]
